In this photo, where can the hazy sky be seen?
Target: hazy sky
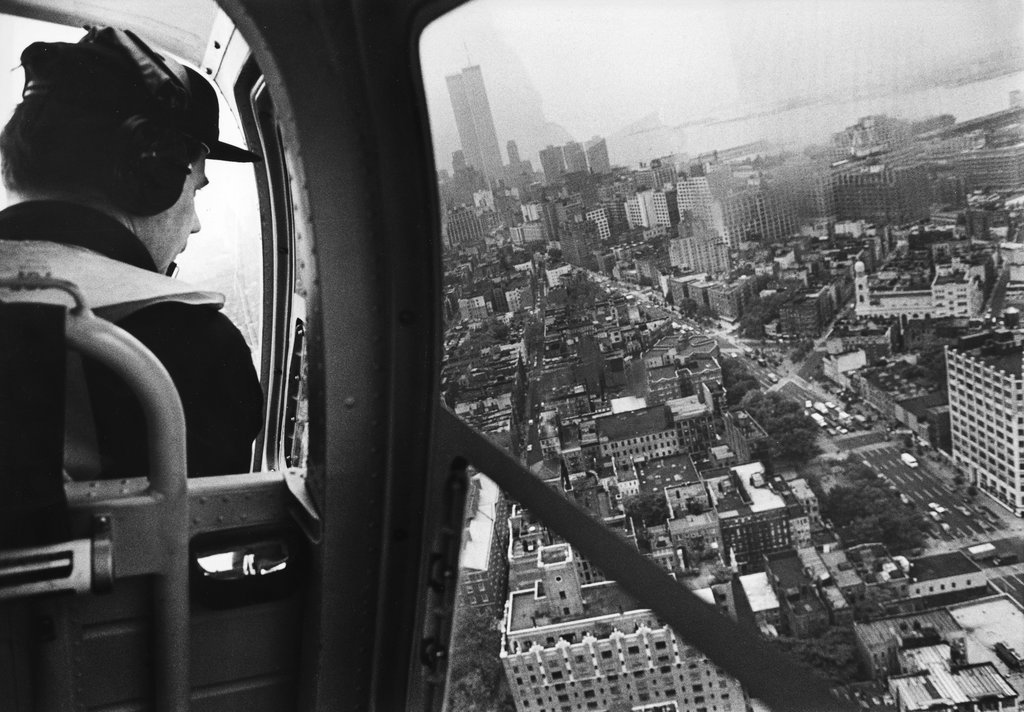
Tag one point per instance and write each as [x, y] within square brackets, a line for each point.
[595, 67]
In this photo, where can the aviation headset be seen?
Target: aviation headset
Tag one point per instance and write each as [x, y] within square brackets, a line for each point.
[150, 155]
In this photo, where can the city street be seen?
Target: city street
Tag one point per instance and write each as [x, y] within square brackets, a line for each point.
[922, 487]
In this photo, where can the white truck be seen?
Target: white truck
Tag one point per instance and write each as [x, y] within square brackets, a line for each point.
[908, 459]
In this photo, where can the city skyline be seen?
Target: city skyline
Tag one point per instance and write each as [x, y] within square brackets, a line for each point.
[562, 73]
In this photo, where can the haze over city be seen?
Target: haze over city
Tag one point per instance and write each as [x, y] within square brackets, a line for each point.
[561, 71]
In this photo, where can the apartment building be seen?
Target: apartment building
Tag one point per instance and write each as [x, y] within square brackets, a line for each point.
[573, 647]
[986, 409]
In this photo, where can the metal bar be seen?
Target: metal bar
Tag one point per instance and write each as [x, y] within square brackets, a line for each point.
[165, 423]
[46, 569]
[765, 672]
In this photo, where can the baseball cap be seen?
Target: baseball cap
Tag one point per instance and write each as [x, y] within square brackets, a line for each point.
[115, 74]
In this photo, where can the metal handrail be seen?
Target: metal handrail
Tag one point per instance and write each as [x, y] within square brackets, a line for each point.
[165, 422]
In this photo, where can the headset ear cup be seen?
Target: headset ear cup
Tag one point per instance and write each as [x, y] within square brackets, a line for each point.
[149, 167]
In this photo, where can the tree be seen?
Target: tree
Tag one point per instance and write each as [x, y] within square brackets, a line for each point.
[865, 510]
[648, 508]
[737, 381]
[793, 434]
[833, 655]
[476, 677]
[760, 312]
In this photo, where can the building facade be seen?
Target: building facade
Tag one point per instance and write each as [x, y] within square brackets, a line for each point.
[986, 411]
[573, 647]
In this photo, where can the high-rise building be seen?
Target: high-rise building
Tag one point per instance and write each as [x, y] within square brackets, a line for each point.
[552, 162]
[986, 408]
[992, 168]
[575, 647]
[580, 240]
[461, 226]
[597, 155]
[759, 213]
[599, 216]
[699, 250]
[575, 158]
[474, 121]
[513, 153]
[881, 194]
[694, 195]
[458, 161]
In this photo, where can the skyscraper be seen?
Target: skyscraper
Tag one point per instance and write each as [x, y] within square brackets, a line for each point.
[553, 164]
[474, 121]
[986, 393]
[597, 155]
[575, 158]
[513, 153]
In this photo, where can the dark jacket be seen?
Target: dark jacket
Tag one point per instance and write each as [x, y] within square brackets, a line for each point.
[203, 351]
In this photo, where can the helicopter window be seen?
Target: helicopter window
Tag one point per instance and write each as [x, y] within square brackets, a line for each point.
[591, 171]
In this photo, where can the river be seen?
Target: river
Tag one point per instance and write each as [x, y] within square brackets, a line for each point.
[814, 123]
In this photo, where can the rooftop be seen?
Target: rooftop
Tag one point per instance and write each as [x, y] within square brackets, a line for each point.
[941, 688]
[479, 531]
[647, 421]
[952, 278]
[627, 404]
[998, 350]
[787, 569]
[528, 610]
[688, 407]
[937, 566]
[991, 620]
[759, 592]
[668, 471]
[801, 489]
[887, 632]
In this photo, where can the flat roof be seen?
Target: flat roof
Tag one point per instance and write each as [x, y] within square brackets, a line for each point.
[670, 471]
[599, 599]
[991, 620]
[479, 532]
[800, 488]
[938, 566]
[944, 689]
[763, 499]
[627, 404]
[887, 631]
[646, 421]
[759, 592]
